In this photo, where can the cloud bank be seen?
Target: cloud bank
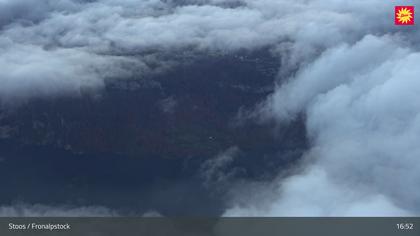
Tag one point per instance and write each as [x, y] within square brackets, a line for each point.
[362, 118]
[50, 47]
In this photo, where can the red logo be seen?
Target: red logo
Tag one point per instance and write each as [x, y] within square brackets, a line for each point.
[404, 15]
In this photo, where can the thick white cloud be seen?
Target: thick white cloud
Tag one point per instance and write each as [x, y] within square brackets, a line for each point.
[314, 193]
[54, 33]
[30, 70]
[361, 104]
[358, 91]
[335, 66]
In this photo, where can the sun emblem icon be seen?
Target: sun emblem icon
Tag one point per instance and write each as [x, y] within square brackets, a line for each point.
[404, 15]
